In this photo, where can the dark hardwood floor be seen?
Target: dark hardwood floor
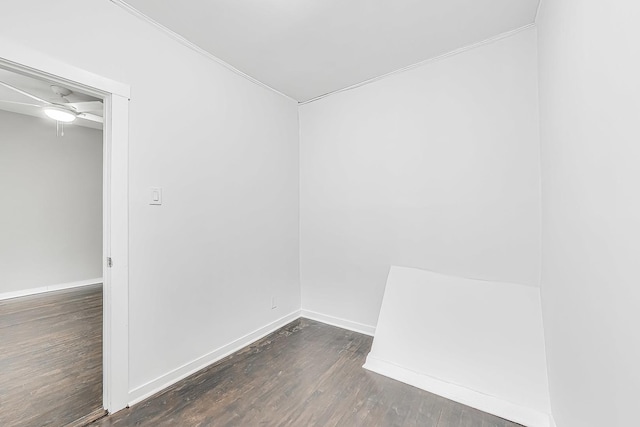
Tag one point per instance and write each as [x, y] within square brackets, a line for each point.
[305, 374]
[51, 357]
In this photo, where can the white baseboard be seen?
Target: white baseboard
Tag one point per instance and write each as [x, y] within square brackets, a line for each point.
[504, 409]
[340, 323]
[152, 387]
[492, 405]
[49, 288]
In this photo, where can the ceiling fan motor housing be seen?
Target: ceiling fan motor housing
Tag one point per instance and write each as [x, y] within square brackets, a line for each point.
[60, 91]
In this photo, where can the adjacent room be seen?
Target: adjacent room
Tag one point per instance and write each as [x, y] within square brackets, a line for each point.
[51, 252]
[319, 213]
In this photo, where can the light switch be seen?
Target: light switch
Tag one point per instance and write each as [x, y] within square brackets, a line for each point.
[156, 196]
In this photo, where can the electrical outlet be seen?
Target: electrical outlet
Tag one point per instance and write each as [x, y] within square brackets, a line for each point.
[274, 303]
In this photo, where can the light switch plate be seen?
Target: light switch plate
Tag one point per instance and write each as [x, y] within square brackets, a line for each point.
[156, 196]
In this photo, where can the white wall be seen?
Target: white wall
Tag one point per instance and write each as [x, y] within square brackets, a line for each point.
[590, 104]
[204, 265]
[436, 168]
[51, 216]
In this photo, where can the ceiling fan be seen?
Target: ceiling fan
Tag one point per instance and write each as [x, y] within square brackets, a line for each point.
[63, 111]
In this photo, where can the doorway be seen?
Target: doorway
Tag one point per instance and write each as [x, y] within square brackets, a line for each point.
[115, 96]
[51, 270]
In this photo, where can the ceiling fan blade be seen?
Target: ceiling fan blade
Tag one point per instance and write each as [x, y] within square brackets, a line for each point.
[20, 103]
[20, 91]
[82, 107]
[91, 117]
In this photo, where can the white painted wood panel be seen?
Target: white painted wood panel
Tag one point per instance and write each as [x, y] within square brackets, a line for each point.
[477, 342]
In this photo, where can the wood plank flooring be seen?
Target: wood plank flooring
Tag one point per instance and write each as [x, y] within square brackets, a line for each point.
[51, 357]
[305, 374]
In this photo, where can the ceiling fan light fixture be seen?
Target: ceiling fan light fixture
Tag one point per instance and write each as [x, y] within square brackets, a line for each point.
[60, 114]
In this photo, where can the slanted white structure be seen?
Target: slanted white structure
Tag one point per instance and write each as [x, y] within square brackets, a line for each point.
[477, 342]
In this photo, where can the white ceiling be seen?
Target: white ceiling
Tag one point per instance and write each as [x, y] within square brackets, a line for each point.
[41, 89]
[307, 48]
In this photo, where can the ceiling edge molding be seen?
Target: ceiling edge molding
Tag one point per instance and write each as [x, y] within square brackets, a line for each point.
[538, 11]
[425, 62]
[177, 37]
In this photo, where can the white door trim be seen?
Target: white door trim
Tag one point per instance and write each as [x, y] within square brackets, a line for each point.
[38, 63]
[115, 206]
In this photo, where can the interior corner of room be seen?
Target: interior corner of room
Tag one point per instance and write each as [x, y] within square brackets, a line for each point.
[450, 202]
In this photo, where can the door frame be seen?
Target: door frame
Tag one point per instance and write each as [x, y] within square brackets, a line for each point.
[116, 98]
